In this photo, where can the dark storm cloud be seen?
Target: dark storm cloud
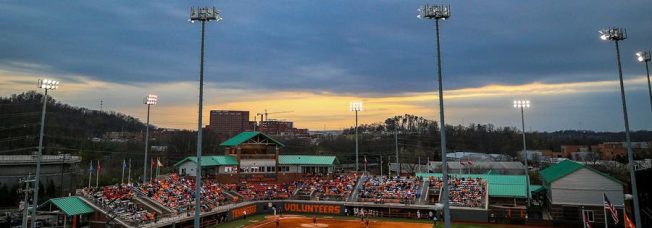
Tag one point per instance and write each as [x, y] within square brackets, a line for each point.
[333, 46]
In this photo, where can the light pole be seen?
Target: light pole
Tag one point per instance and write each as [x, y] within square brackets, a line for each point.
[644, 56]
[356, 107]
[438, 12]
[618, 34]
[203, 15]
[149, 101]
[45, 84]
[522, 104]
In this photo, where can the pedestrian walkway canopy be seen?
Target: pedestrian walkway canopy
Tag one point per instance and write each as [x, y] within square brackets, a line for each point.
[72, 205]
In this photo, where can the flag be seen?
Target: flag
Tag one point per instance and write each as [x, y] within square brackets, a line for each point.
[90, 168]
[158, 163]
[462, 162]
[610, 207]
[98, 166]
[124, 163]
[585, 219]
[628, 221]
[470, 162]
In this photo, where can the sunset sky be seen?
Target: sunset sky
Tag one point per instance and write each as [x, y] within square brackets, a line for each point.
[314, 57]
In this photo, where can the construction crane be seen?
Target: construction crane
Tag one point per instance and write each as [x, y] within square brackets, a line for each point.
[266, 114]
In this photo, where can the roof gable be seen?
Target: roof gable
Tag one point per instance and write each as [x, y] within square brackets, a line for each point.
[248, 136]
[559, 170]
[223, 160]
[305, 160]
[566, 167]
[72, 205]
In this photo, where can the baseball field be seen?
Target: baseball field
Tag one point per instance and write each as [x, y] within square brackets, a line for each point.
[269, 221]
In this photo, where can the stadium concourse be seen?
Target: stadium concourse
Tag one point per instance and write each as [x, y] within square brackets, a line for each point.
[253, 178]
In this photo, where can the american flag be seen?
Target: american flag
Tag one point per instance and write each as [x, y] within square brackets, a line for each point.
[610, 207]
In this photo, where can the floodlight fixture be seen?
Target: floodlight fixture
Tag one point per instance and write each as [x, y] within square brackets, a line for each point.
[151, 99]
[521, 104]
[48, 84]
[613, 33]
[355, 106]
[434, 12]
[643, 56]
[204, 14]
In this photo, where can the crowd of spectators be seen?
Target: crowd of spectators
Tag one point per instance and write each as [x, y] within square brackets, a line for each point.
[177, 193]
[117, 199]
[334, 187]
[395, 189]
[463, 191]
[260, 191]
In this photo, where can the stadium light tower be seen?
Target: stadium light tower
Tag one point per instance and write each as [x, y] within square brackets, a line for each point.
[356, 107]
[203, 15]
[438, 12]
[149, 101]
[522, 104]
[45, 84]
[644, 56]
[617, 34]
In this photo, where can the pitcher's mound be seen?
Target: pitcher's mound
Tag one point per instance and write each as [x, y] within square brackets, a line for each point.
[314, 225]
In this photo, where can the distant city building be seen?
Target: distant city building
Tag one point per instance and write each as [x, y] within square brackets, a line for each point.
[61, 170]
[121, 136]
[228, 122]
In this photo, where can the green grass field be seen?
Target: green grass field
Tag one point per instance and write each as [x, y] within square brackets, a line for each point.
[258, 218]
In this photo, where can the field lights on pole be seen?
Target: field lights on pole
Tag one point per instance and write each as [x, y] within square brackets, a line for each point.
[644, 57]
[618, 34]
[356, 106]
[45, 84]
[522, 104]
[438, 12]
[202, 15]
[149, 101]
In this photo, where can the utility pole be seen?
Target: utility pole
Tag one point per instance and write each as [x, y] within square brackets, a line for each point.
[27, 190]
[398, 165]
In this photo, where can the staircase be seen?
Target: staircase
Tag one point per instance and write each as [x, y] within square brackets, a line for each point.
[95, 207]
[425, 187]
[153, 204]
[354, 194]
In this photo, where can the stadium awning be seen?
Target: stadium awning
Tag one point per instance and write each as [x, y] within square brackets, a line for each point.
[252, 137]
[305, 160]
[512, 186]
[224, 160]
[72, 205]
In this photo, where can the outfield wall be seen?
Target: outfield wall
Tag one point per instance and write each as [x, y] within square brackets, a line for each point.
[232, 212]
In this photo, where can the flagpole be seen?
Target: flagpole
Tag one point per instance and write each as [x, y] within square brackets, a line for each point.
[157, 166]
[97, 177]
[604, 209]
[90, 172]
[129, 175]
[151, 171]
[122, 179]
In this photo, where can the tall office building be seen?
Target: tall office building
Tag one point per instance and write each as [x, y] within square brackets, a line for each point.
[229, 122]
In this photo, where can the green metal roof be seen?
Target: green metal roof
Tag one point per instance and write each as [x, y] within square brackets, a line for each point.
[305, 160]
[245, 136]
[536, 188]
[72, 205]
[224, 160]
[566, 167]
[499, 185]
